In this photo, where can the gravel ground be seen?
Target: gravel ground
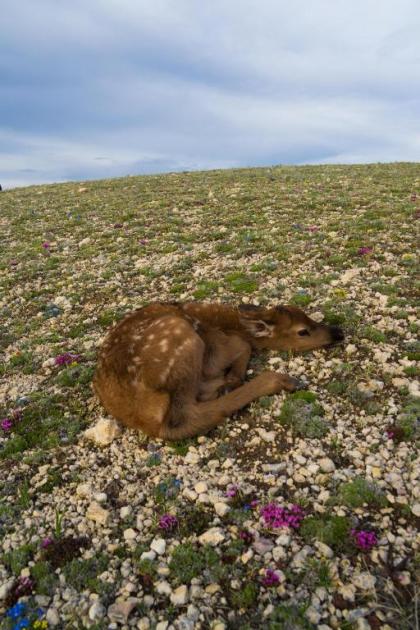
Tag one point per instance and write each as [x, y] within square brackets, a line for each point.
[301, 511]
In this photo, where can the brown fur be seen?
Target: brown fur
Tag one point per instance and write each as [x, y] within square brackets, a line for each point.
[163, 367]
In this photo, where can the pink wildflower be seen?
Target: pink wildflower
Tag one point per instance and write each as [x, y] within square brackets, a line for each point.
[168, 522]
[45, 245]
[277, 516]
[313, 228]
[6, 424]
[232, 491]
[363, 251]
[67, 358]
[46, 542]
[271, 578]
[364, 539]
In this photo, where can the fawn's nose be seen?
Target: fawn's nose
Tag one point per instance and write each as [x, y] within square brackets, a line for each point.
[336, 333]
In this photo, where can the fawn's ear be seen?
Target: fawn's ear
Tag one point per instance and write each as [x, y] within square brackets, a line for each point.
[258, 321]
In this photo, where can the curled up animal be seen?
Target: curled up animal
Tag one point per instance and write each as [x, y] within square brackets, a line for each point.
[165, 368]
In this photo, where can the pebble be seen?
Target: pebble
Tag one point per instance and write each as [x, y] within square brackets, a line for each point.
[364, 581]
[103, 432]
[97, 513]
[52, 616]
[120, 610]
[221, 508]
[327, 465]
[96, 611]
[201, 487]
[179, 596]
[125, 511]
[212, 536]
[313, 615]
[158, 545]
[416, 509]
[163, 588]
[130, 534]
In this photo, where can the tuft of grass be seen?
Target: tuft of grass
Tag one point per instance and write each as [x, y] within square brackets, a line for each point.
[359, 492]
[188, 562]
[81, 574]
[245, 597]
[303, 415]
[238, 282]
[334, 531]
[289, 616]
[18, 559]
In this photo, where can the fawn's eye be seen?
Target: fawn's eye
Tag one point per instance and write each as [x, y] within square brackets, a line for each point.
[303, 333]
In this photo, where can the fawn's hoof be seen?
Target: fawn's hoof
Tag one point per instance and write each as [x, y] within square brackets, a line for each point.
[297, 384]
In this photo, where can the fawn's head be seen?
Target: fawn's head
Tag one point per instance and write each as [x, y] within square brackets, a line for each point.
[286, 328]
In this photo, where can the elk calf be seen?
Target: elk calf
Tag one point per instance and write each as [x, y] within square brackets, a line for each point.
[165, 368]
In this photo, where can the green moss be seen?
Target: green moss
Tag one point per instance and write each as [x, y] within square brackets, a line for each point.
[288, 616]
[240, 283]
[81, 574]
[302, 416]
[45, 579]
[334, 531]
[188, 562]
[18, 559]
[358, 492]
[245, 597]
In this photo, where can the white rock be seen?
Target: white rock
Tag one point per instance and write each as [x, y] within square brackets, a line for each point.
[221, 508]
[52, 616]
[179, 597]
[162, 625]
[189, 494]
[326, 551]
[143, 624]
[267, 436]
[327, 465]
[84, 490]
[201, 487]
[100, 497]
[103, 432]
[158, 545]
[283, 540]
[364, 581]
[97, 513]
[416, 509]
[163, 588]
[348, 275]
[120, 611]
[313, 615]
[212, 536]
[5, 588]
[125, 511]
[130, 534]
[96, 611]
[191, 458]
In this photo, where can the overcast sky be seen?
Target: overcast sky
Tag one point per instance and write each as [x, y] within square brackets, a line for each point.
[100, 88]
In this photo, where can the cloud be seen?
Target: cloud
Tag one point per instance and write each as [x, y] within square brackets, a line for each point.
[157, 86]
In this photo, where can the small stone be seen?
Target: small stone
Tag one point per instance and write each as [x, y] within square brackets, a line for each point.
[201, 487]
[221, 508]
[179, 597]
[143, 624]
[364, 581]
[191, 458]
[262, 546]
[158, 545]
[120, 611]
[100, 497]
[416, 509]
[212, 536]
[283, 540]
[52, 617]
[211, 589]
[103, 432]
[348, 591]
[84, 490]
[130, 534]
[267, 436]
[324, 550]
[163, 588]
[313, 615]
[162, 625]
[327, 465]
[126, 511]
[97, 513]
[96, 611]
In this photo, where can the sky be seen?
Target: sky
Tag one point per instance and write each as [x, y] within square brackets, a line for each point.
[92, 89]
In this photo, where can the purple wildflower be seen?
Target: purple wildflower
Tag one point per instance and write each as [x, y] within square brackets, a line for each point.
[232, 491]
[6, 424]
[313, 228]
[45, 245]
[271, 578]
[246, 536]
[118, 225]
[168, 522]
[364, 539]
[277, 516]
[363, 251]
[67, 358]
[46, 542]
[142, 241]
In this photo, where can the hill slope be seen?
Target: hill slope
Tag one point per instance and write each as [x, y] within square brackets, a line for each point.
[84, 523]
